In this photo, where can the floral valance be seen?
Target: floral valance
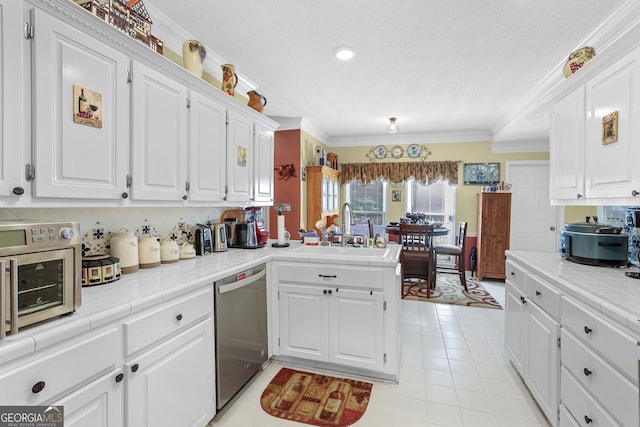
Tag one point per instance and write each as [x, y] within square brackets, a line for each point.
[399, 172]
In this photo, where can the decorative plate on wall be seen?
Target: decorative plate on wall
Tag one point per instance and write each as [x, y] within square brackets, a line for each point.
[414, 150]
[380, 151]
[396, 152]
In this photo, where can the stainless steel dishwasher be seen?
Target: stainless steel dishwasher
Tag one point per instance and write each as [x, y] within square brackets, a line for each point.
[241, 330]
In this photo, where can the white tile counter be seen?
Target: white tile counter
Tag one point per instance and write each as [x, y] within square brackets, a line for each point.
[135, 292]
[605, 289]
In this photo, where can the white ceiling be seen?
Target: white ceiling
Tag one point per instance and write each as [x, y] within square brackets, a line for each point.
[440, 67]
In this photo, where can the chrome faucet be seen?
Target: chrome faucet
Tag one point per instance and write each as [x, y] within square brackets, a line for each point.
[346, 231]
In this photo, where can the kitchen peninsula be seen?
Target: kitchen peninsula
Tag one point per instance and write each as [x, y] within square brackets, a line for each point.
[147, 339]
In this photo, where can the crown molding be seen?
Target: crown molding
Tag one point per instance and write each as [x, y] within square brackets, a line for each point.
[521, 145]
[293, 123]
[414, 138]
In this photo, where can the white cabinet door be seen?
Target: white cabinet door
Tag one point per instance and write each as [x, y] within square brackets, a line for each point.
[304, 322]
[78, 154]
[612, 165]
[173, 385]
[356, 329]
[12, 140]
[207, 149]
[542, 370]
[239, 156]
[263, 149]
[98, 404]
[567, 147]
[159, 136]
[515, 331]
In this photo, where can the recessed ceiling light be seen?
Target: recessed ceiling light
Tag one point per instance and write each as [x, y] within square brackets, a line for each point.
[345, 53]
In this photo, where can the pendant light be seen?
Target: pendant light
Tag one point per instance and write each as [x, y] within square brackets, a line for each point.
[393, 126]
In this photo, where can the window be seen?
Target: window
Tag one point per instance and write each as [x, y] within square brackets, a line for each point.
[437, 202]
[368, 202]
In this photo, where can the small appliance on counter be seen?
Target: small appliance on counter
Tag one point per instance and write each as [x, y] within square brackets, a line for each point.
[204, 239]
[219, 232]
[250, 233]
[592, 243]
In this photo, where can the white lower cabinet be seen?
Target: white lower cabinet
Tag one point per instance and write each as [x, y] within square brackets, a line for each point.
[98, 404]
[172, 384]
[515, 326]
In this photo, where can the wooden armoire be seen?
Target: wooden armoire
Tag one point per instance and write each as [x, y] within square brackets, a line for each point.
[494, 224]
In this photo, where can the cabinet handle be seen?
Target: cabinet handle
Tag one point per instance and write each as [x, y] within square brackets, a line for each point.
[586, 372]
[587, 420]
[578, 196]
[18, 191]
[135, 367]
[330, 292]
[119, 377]
[179, 317]
[587, 330]
[634, 193]
[327, 276]
[124, 195]
[513, 273]
[38, 387]
[324, 291]
[523, 300]
[184, 197]
[538, 293]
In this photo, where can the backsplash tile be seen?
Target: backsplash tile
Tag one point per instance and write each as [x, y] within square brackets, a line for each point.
[97, 224]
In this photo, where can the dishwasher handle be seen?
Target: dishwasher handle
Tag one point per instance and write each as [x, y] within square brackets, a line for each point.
[241, 283]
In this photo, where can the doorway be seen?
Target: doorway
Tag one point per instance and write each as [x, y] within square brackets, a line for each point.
[534, 222]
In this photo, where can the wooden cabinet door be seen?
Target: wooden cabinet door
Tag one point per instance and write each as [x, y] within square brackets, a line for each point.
[207, 149]
[612, 164]
[263, 167]
[356, 329]
[304, 322]
[12, 51]
[566, 149]
[78, 154]
[239, 156]
[514, 329]
[98, 404]
[159, 145]
[494, 218]
[173, 385]
[542, 368]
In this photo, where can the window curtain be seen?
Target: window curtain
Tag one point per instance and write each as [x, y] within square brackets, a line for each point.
[399, 172]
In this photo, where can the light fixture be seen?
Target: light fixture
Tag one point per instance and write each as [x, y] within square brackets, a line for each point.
[345, 53]
[393, 126]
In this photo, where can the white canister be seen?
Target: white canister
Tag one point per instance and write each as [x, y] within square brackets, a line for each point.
[187, 251]
[169, 251]
[124, 245]
[149, 252]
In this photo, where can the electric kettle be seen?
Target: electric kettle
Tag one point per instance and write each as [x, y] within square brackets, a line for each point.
[219, 237]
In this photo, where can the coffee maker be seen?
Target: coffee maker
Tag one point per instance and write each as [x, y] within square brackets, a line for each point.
[257, 214]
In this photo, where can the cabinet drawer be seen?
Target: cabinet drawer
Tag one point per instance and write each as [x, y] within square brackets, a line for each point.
[69, 366]
[363, 277]
[158, 323]
[516, 275]
[617, 394]
[544, 294]
[584, 410]
[605, 338]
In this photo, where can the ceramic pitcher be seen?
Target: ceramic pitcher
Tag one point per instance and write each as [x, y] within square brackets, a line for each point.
[193, 54]
[256, 101]
[229, 79]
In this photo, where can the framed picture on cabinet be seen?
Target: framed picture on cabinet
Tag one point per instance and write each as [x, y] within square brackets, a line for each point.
[481, 173]
[610, 128]
[87, 106]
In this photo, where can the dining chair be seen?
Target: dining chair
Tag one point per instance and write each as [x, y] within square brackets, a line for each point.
[415, 257]
[456, 251]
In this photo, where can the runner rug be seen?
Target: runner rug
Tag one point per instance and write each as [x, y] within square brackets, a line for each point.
[449, 291]
[315, 399]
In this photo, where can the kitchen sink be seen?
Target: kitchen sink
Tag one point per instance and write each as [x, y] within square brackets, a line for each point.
[346, 251]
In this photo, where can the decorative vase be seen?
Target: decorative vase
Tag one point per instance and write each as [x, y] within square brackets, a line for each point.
[229, 79]
[193, 54]
[577, 59]
[256, 101]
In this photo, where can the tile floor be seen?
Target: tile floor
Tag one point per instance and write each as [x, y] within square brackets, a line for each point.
[454, 372]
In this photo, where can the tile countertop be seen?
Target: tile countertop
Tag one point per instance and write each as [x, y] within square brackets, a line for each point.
[135, 292]
[606, 289]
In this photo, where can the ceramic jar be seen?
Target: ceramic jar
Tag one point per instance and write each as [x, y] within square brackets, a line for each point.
[124, 245]
[187, 251]
[193, 54]
[229, 79]
[169, 251]
[149, 252]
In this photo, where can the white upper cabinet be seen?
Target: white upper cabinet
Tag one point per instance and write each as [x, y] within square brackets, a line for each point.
[263, 167]
[239, 157]
[78, 154]
[12, 138]
[159, 136]
[207, 149]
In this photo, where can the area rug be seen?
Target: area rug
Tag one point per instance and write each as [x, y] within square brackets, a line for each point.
[315, 399]
[449, 291]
